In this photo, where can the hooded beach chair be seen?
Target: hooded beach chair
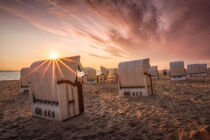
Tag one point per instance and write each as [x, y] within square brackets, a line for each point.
[55, 92]
[197, 70]
[90, 75]
[193, 69]
[177, 71]
[24, 82]
[154, 72]
[112, 75]
[101, 78]
[134, 78]
[203, 69]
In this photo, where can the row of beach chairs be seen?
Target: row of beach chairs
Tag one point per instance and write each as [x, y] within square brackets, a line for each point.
[56, 89]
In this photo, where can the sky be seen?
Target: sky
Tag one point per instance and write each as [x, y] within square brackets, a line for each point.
[104, 32]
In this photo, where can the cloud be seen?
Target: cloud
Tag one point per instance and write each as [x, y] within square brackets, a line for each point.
[125, 28]
[98, 56]
[187, 34]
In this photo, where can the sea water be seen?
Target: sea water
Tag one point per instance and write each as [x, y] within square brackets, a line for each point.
[9, 75]
[15, 75]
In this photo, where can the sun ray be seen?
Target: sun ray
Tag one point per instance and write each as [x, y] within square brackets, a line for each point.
[45, 70]
[66, 66]
[70, 60]
[59, 69]
[53, 76]
[38, 67]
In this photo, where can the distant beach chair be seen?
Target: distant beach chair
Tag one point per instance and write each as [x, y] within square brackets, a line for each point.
[24, 82]
[208, 71]
[108, 75]
[112, 75]
[154, 72]
[197, 70]
[90, 75]
[177, 71]
[55, 92]
[203, 69]
[101, 78]
[134, 78]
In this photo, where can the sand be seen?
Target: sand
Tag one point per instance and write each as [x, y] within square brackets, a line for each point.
[177, 110]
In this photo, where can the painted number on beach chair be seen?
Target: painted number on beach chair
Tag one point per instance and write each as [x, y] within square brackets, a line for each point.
[127, 93]
[134, 93]
[48, 113]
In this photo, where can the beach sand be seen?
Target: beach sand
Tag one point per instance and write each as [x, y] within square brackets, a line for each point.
[177, 110]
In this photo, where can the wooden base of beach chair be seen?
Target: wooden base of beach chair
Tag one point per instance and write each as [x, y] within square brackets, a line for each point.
[111, 80]
[197, 74]
[69, 104]
[24, 89]
[180, 78]
[134, 92]
[46, 111]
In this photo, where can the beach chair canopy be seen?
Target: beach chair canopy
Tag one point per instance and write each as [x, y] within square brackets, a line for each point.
[24, 77]
[193, 68]
[208, 70]
[177, 68]
[112, 73]
[104, 71]
[132, 73]
[153, 70]
[196, 68]
[203, 68]
[90, 72]
[44, 75]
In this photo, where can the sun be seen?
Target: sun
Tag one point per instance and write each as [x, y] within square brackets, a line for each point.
[53, 55]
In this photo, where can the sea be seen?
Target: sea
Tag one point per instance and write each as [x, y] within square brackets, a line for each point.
[9, 75]
[15, 75]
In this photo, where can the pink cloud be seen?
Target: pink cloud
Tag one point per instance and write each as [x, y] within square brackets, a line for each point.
[139, 28]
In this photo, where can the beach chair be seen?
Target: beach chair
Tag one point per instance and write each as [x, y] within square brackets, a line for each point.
[89, 75]
[55, 92]
[134, 78]
[177, 71]
[101, 78]
[208, 71]
[112, 75]
[24, 82]
[197, 70]
[154, 72]
[203, 69]
[193, 70]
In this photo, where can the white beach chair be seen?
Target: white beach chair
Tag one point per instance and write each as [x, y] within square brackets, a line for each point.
[203, 69]
[134, 78]
[197, 70]
[90, 75]
[101, 78]
[112, 75]
[24, 82]
[177, 71]
[193, 69]
[54, 90]
[154, 72]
